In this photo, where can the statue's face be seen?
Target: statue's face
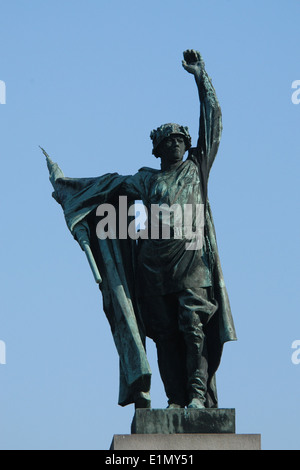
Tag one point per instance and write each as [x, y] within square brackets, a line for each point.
[172, 149]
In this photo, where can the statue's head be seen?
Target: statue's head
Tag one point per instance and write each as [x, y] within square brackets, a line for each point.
[164, 137]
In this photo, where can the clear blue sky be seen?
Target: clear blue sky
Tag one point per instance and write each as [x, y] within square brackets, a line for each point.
[88, 80]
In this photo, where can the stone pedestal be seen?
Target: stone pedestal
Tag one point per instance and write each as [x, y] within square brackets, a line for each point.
[188, 442]
[185, 429]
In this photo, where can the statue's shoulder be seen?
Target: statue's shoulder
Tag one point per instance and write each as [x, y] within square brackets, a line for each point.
[146, 169]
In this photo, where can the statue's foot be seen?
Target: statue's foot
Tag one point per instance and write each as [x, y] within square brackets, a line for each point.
[196, 403]
[142, 400]
[173, 406]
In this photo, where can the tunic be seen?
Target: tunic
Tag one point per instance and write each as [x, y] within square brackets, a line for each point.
[176, 259]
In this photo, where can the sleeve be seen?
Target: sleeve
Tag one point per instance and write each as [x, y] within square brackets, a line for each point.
[133, 186]
[210, 126]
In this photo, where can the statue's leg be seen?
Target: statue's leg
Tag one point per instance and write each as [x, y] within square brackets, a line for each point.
[161, 319]
[171, 362]
[194, 312]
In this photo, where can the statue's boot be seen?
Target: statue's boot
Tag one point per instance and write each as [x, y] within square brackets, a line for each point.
[142, 400]
[197, 375]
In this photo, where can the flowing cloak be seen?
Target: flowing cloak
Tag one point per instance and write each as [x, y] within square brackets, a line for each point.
[116, 259]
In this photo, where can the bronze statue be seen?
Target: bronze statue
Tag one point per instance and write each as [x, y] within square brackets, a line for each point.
[164, 282]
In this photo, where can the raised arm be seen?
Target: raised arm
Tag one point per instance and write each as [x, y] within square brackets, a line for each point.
[210, 127]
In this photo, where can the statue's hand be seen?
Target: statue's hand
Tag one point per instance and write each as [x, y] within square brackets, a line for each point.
[193, 62]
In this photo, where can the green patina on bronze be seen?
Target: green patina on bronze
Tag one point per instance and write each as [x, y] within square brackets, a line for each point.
[144, 284]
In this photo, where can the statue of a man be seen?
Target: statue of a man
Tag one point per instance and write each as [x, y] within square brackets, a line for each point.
[174, 284]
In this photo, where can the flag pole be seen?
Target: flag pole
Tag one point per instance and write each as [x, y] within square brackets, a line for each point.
[81, 236]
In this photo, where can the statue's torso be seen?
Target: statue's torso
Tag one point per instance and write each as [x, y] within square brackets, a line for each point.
[175, 259]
